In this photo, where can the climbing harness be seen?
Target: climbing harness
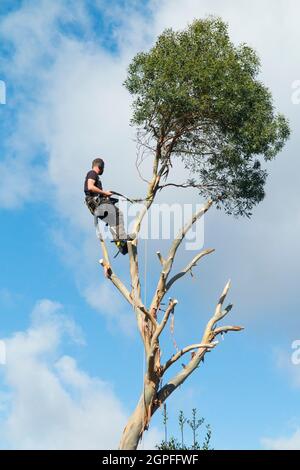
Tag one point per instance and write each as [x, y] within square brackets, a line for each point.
[92, 204]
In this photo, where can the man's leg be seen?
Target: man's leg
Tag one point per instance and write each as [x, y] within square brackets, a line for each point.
[119, 227]
[111, 215]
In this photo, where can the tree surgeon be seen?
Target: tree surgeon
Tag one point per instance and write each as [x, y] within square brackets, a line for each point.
[103, 206]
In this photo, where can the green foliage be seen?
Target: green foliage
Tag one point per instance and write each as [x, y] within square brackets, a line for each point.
[165, 422]
[199, 97]
[181, 420]
[171, 444]
[194, 424]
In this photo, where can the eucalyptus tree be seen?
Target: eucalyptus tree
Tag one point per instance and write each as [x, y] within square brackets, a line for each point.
[197, 98]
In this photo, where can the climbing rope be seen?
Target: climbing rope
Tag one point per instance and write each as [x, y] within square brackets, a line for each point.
[99, 236]
[144, 353]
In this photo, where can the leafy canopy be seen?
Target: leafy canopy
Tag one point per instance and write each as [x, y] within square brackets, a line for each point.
[199, 97]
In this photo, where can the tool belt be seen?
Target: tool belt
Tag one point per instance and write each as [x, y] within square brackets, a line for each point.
[92, 203]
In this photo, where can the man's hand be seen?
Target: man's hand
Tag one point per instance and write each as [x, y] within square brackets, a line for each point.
[107, 193]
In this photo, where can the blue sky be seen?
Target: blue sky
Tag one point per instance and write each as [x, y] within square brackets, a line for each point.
[71, 341]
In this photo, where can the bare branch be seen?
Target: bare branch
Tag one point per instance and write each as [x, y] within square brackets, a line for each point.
[188, 268]
[225, 329]
[116, 281]
[152, 189]
[142, 147]
[185, 185]
[142, 143]
[225, 312]
[143, 309]
[219, 314]
[167, 265]
[185, 350]
[218, 311]
[161, 259]
[209, 335]
[109, 274]
[162, 324]
[180, 236]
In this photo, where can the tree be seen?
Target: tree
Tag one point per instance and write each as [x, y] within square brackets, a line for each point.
[197, 98]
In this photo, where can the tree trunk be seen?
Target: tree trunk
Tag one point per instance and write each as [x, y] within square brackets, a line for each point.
[133, 430]
[140, 418]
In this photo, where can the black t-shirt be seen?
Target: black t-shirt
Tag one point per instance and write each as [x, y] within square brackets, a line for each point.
[92, 175]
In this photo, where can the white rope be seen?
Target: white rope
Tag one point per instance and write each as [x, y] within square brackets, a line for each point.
[144, 353]
[98, 233]
[99, 236]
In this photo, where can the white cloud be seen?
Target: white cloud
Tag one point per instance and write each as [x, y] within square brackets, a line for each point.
[49, 402]
[53, 404]
[285, 362]
[80, 109]
[291, 442]
[262, 255]
[7, 298]
[77, 108]
[104, 299]
[150, 439]
[291, 372]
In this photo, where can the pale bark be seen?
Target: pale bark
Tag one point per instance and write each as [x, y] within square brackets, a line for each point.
[155, 396]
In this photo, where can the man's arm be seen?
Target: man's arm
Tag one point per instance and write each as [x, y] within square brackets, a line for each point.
[92, 187]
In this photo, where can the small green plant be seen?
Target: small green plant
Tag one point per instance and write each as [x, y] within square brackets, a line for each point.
[194, 423]
[182, 420]
[165, 421]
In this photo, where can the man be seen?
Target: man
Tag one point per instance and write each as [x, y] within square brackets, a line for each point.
[101, 204]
